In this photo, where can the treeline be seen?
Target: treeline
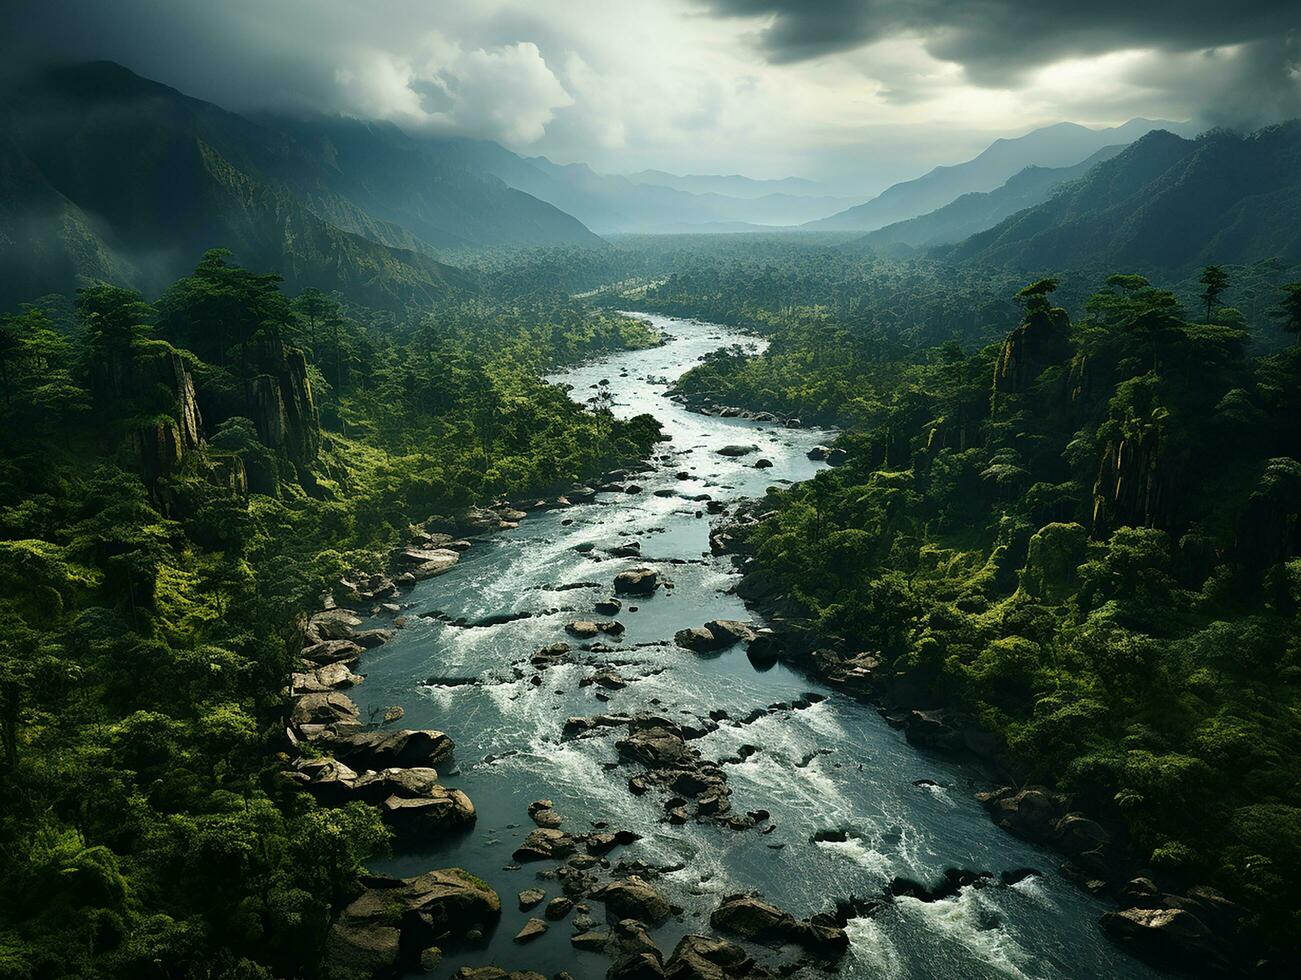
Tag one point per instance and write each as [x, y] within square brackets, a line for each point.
[179, 480]
[1085, 540]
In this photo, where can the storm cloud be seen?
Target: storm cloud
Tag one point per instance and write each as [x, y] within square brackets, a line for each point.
[1251, 49]
[862, 92]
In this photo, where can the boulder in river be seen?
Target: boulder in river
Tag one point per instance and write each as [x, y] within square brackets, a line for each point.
[1168, 937]
[737, 450]
[754, 919]
[393, 919]
[637, 581]
[634, 898]
[396, 749]
[710, 958]
[544, 844]
[717, 634]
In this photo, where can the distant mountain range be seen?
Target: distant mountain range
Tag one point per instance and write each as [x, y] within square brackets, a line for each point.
[107, 174]
[974, 212]
[1163, 204]
[1060, 145]
[647, 202]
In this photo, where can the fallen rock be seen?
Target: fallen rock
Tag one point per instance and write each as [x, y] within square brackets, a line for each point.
[737, 450]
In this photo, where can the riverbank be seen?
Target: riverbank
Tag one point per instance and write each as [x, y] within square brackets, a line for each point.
[1171, 923]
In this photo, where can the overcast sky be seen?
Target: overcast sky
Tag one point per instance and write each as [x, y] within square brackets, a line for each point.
[869, 90]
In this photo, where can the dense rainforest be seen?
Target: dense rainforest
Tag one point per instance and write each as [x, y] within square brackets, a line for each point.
[181, 479]
[1068, 516]
[1081, 539]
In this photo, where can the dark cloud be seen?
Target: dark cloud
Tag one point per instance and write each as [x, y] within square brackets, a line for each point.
[993, 38]
[998, 41]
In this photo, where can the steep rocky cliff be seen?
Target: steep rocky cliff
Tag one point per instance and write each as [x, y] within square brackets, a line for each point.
[153, 376]
[1041, 341]
[279, 401]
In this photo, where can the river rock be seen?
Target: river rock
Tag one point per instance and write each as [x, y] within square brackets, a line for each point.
[331, 677]
[423, 563]
[717, 634]
[327, 710]
[533, 928]
[558, 908]
[331, 652]
[754, 919]
[1169, 937]
[818, 453]
[331, 624]
[633, 898]
[328, 780]
[542, 814]
[638, 582]
[1030, 813]
[593, 941]
[609, 607]
[395, 915]
[397, 749]
[582, 628]
[710, 958]
[737, 450]
[545, 843]
[530, 897]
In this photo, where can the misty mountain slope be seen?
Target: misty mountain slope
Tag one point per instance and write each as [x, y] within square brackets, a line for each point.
[145, 178]
[974, 212]
[1164, 204]
[393, 178]
[1061, 145]
[730, 185]
[609, 203]
[46, 241]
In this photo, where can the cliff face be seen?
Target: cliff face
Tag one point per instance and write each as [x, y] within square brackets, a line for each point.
[279, 401]
[1040, 342]
[154, 375]
[1131, 490]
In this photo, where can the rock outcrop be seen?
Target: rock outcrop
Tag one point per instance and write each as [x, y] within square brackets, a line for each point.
[754, 919]
[394, 920]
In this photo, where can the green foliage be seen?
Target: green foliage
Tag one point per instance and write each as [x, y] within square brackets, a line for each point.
[151, 587]
[1102, 572]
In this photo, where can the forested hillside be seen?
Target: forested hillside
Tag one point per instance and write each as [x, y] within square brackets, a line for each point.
[104, 174]
[1164, 205]
[1079, 548]
[181, 480]
[974, 212]
[1061, 145]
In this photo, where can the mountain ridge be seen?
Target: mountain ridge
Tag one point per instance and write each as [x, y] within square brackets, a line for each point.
[1059, 145]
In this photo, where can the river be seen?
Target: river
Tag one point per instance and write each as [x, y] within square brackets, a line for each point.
[835, 765]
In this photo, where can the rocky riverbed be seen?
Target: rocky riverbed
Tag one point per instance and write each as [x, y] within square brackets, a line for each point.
[645, 799]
